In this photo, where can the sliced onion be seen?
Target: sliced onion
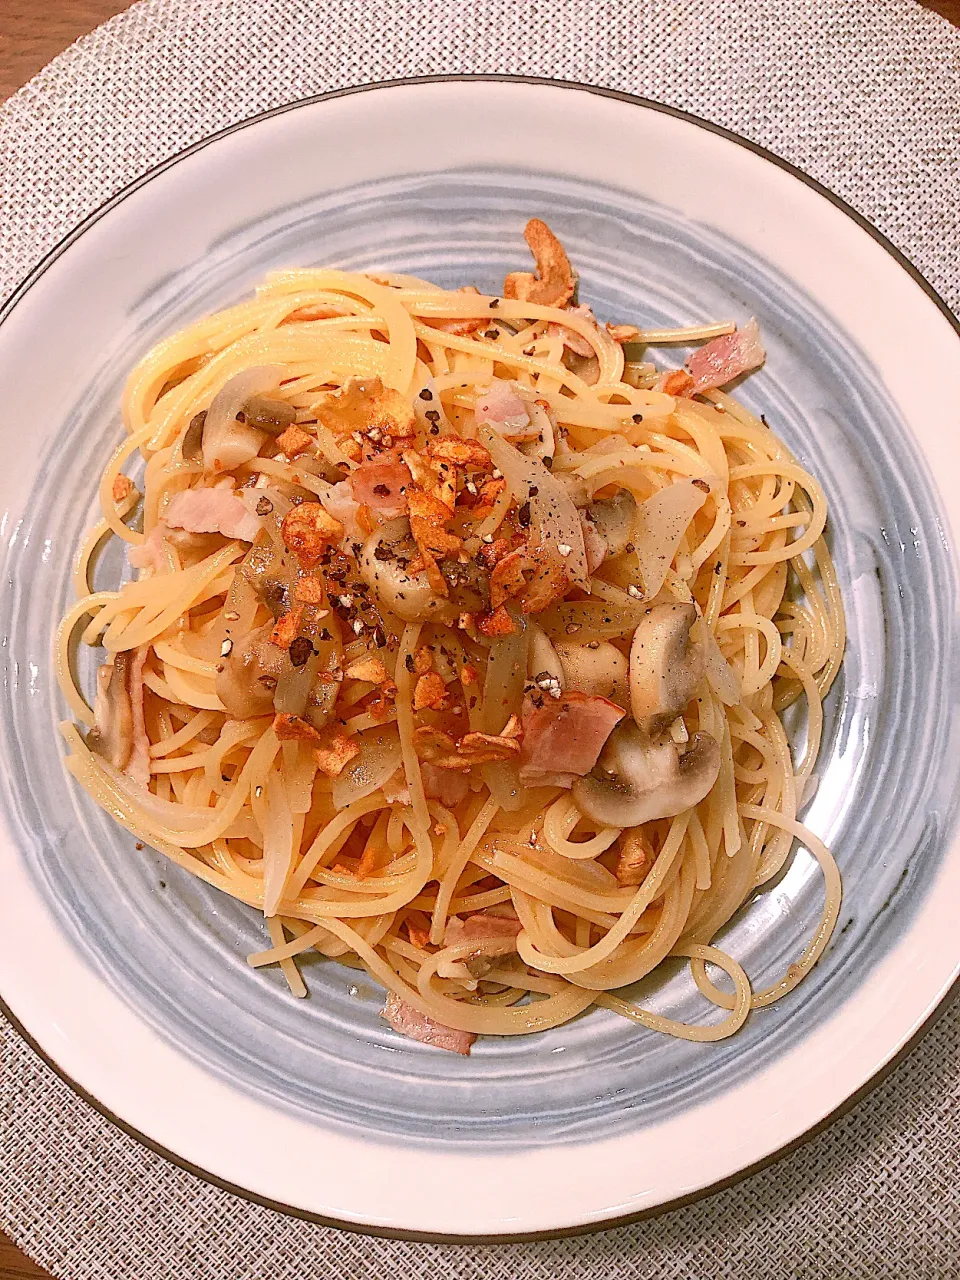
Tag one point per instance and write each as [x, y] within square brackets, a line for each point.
[552, 513]
[582, 621]
[660, 524]
[167, 813]
[542, 655]
[228, 443]
[721, 677]
[378, 760]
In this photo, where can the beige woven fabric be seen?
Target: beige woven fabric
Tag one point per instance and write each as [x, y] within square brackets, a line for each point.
[862, 94]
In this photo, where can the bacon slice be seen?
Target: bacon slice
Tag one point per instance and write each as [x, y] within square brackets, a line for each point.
[563, 738]
[212, 511]
[420, 1026]
[481, 927]
[444, 784]
[502, 408]
[382, 485]
[725, 358]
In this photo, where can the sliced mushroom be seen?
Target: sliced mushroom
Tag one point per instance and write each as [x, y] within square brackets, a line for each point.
[271, 416]
[192, 445]
[638, 780]
[597, 668]
[614, 518]
[383, 567]
[228, 439]
[112, 735]
[665, 665]
[251, 672]
[263, 568]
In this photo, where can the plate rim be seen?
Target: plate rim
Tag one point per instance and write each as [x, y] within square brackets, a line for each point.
[853, 1099]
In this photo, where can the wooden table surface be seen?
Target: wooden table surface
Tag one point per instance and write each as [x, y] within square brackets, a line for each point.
[31, 33]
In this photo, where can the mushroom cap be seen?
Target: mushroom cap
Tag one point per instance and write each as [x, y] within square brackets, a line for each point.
[665, 665]
[408, 595]
[251, 672]
[614, 519]
[599, 668]
[638, 780]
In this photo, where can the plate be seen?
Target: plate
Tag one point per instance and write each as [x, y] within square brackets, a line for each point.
[131, 977]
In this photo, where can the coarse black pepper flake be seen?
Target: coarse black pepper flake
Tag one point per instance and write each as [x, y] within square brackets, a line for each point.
[494, 302]
[379, 637]
[435, 429]
[492, 334]
[534, 490]
[523, 515]
[630, 547]
[432, 415]
[426, 394]
[384, 553]
[301, 650]
[241, 416]
[264, 507]
[325, 636]
[548, 462]
[638, 417]
[409, 663]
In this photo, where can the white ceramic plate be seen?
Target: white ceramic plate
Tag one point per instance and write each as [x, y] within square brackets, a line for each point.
[131, 978]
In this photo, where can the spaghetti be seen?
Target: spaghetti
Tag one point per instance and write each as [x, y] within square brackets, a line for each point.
[459, 643]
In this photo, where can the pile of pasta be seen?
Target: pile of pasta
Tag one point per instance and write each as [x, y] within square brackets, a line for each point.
[457, 640]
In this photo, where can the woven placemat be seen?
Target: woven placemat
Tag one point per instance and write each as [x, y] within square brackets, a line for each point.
[862, 94]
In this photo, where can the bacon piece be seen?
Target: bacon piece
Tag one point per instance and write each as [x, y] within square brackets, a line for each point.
[420, 1026]
[212, 511]
[557, 279]
[481, 927]
[726, 357]
[307, 531]
[381, 484]
[445, 785]
[563, 738]
[501, 408]
[150, 554]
